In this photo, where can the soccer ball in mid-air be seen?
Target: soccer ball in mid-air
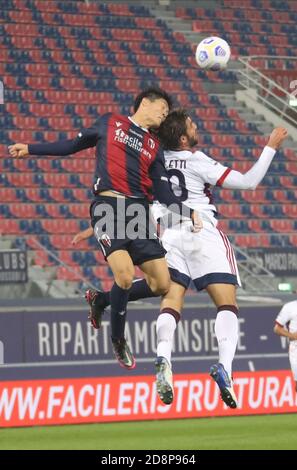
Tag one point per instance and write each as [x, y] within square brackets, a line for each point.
[213, 53]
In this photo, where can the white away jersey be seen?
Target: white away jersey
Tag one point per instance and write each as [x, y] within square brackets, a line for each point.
[192, 174]
[288, 314]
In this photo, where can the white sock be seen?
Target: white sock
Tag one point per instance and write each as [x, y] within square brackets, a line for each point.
[226, 330]
[166, 325]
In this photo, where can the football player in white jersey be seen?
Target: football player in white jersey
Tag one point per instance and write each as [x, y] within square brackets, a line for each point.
[206, 258]
[286, 325]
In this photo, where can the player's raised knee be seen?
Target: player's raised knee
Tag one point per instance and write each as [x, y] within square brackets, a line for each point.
[160, 288]
[124, 280]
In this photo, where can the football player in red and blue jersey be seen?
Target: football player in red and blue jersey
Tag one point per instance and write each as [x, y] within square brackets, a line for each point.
[129, 173]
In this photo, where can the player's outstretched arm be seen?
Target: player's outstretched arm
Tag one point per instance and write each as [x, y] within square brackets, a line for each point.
[58, 148]
[254, 176]
[85, 139]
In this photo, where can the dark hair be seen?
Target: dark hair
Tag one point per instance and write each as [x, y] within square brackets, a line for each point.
[152, 93]
[172, 129]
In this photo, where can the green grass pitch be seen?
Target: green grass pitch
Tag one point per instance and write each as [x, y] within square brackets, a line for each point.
[249, 432]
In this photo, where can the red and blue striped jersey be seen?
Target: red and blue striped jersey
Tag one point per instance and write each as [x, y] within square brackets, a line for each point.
[128, 157]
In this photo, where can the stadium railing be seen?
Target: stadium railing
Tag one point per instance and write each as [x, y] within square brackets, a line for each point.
[269, 92]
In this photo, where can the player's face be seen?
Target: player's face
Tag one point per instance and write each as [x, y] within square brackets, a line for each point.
[192, 132]
[157, 110]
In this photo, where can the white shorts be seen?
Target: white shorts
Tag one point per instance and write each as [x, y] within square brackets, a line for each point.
[293, 358]
[205, 257]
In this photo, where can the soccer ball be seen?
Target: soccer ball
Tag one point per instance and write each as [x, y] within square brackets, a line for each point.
[213, 53]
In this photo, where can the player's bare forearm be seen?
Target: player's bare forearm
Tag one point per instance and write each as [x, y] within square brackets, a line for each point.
[83, 235]
[281, 331]
[197, 222]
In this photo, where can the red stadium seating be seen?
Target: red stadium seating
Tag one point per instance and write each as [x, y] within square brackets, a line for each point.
[63, 68]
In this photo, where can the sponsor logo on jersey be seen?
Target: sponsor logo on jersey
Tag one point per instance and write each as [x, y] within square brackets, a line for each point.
[132, 142]
[136, 133]
[151, 143]
[118, 123]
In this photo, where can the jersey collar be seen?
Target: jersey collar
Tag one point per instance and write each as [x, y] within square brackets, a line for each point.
[137, 125]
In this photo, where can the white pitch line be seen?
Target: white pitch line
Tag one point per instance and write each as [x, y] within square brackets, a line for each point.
[251, 366]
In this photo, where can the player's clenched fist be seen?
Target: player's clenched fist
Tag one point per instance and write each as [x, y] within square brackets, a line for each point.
[277, 137]
[18, 150]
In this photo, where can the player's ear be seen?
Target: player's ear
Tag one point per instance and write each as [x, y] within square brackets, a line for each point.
[183, 139]
[145, 101]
